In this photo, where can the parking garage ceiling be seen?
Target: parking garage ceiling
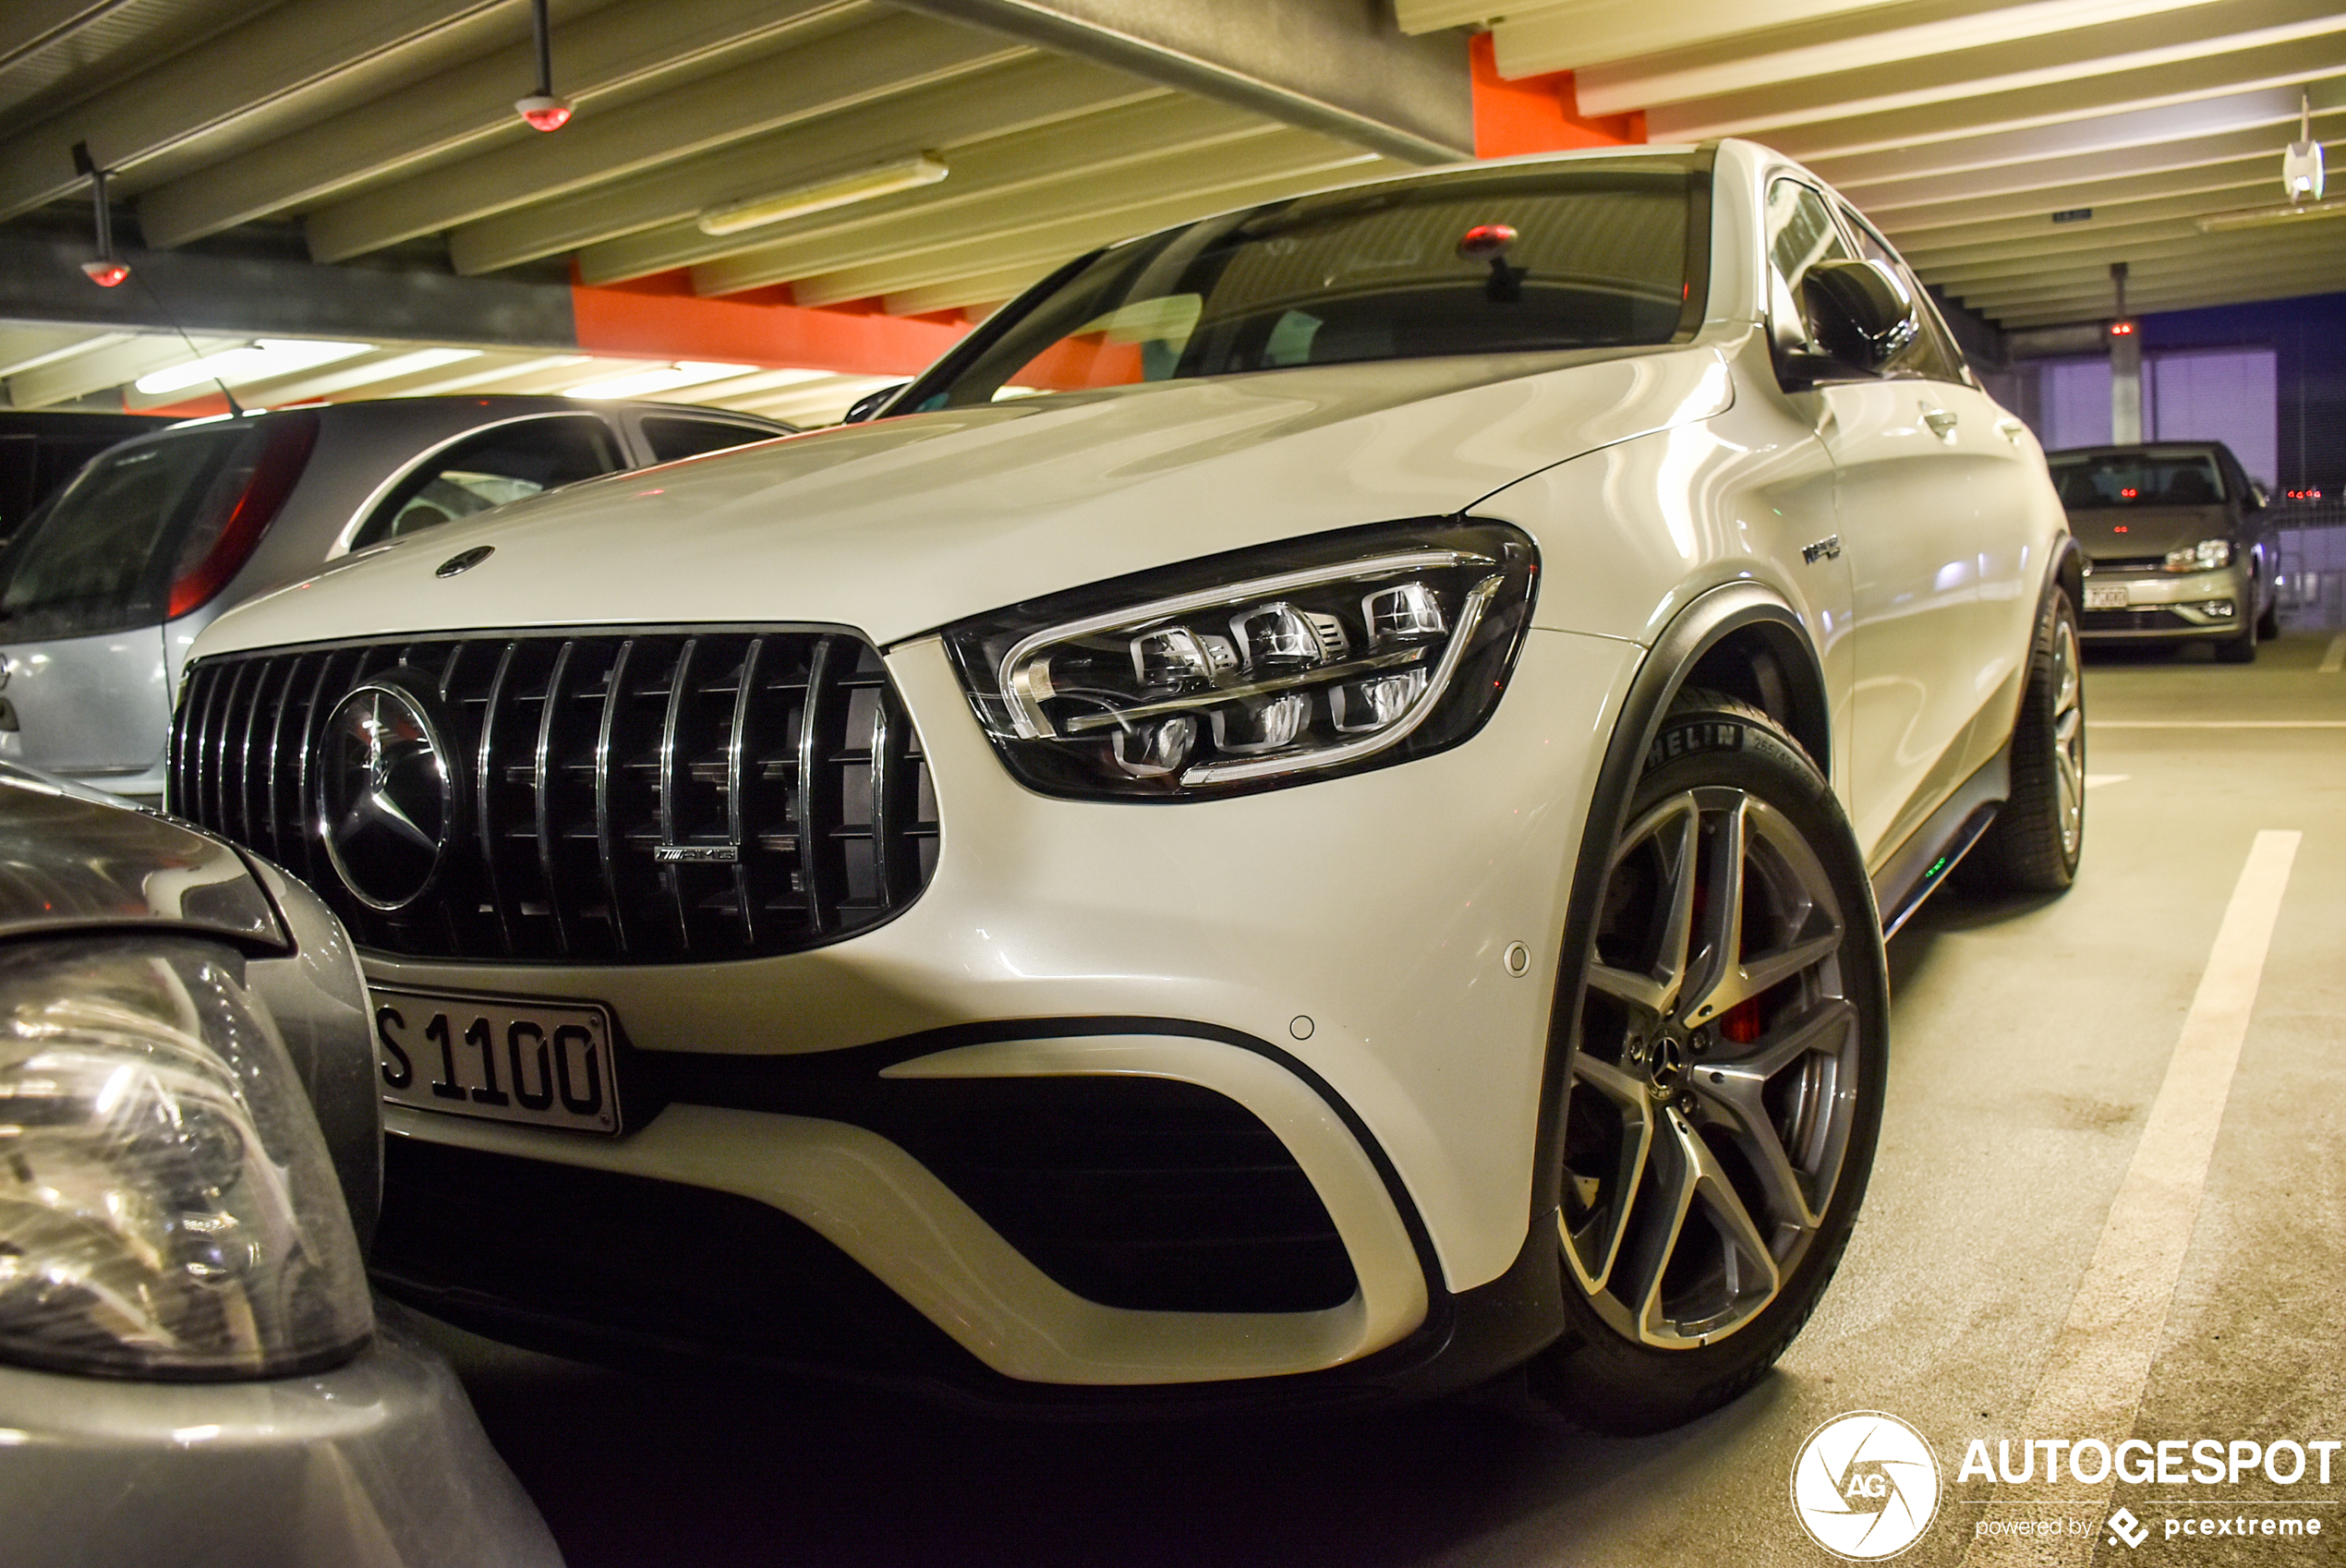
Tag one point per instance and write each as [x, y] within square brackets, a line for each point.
[353, 172]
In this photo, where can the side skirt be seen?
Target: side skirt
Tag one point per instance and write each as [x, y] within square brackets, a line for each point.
[1921, 864]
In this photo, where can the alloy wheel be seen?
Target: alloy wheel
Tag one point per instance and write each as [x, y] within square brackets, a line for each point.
[1714, 1078]
[2069, 736]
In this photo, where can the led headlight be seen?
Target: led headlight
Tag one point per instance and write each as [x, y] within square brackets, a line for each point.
[2205, 556]
[1259, 668]
[168, 1208]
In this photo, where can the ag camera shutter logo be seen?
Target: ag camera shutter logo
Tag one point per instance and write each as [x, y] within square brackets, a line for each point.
[1865, 1486]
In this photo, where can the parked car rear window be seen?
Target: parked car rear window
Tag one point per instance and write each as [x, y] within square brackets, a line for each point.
[101, 555]
[2138, 478]
[1601, 256]
[503, 463]
[672, 437]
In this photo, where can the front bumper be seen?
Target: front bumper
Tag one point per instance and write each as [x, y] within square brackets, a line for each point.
[1332, 959]
[2161, 605]
[380, 1461]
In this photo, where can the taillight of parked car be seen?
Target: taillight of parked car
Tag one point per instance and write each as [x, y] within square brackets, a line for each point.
[245, 497]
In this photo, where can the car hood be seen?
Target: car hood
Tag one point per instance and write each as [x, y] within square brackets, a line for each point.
[2149, 530]
[901, 526]
[71, 859]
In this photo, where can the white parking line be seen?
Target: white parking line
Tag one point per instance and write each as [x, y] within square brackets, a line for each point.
[2093, 1380]
[2335, 660]
[2096, 781]
[2218, 723]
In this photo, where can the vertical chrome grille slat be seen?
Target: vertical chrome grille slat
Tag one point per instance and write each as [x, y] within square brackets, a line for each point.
[215, 746]
[606, 847]
[277, 781]
[313, 860]
[737, 826]
[808, 805]
[484, 816]
[548, 718]
[789, 745]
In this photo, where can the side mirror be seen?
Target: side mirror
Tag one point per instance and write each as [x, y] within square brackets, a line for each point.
[2259, 494]
[870, 404]
[1860, 312]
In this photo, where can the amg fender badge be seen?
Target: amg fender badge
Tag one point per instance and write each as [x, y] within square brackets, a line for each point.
[466, 561]
[1826, 549]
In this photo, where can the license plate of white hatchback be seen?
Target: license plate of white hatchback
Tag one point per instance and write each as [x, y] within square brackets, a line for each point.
[2105, 596]
[506, 1059]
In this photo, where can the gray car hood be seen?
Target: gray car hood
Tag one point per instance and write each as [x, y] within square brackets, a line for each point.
[71, 859]
[901, 526]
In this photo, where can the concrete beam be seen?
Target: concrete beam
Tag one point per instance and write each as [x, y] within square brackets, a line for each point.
[1034, 89]
[28, 27]
[1341, 67]
[603, 53]
[2180, 122]
[1862, 40]
[1066, 157]
[1043, 244]
[2197, 46]
[100, 368]
[2239, 293]
[2234, 178]
[1178, 182]
[2048, 174]
[888, 55]
[260, 65]
[2177, 81]
[41, 281]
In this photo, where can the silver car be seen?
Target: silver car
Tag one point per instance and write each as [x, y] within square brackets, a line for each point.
[2179, 545]
[192, 1368]
[107, 586]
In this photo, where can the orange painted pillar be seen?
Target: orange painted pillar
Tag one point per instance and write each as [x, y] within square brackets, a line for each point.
[1537, 113]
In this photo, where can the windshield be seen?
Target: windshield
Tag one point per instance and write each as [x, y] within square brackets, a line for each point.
[1592, 254]
[2156, 478]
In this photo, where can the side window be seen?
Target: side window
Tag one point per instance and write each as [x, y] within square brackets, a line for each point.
[490, 470]
[671, 437]
[1801, 233]
[1933, 354]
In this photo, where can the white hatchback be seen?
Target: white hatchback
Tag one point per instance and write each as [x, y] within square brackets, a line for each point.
[1310, 813]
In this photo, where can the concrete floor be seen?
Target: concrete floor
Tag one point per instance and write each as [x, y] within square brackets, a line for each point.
[2031, 1039]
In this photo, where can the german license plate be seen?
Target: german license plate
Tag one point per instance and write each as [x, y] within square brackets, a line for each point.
[545, 1064]
[2105, 596]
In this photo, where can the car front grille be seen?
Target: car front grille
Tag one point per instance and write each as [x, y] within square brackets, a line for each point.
[620, 795]
[2157, 619]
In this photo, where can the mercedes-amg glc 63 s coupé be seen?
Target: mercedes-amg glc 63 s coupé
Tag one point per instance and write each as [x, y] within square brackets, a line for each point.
[1310, 813]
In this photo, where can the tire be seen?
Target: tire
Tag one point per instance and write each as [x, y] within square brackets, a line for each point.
[2240, 649]
[2040, 832]
[1747, 1094]
[2268, 624]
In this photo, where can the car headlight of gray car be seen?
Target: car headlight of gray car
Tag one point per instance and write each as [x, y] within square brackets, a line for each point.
[1256, 669]
[2207, 555]
[169, 1206]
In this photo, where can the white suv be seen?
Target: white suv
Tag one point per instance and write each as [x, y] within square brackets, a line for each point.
[1312, 810]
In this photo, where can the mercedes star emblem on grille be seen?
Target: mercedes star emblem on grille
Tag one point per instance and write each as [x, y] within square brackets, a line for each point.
[386, 799]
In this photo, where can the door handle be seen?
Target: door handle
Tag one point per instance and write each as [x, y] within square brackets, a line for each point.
[1942, 421]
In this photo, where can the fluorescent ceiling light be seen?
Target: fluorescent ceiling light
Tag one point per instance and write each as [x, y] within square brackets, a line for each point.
[2270, 217]
[257, 361]
[907, 174]
[659, 377]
